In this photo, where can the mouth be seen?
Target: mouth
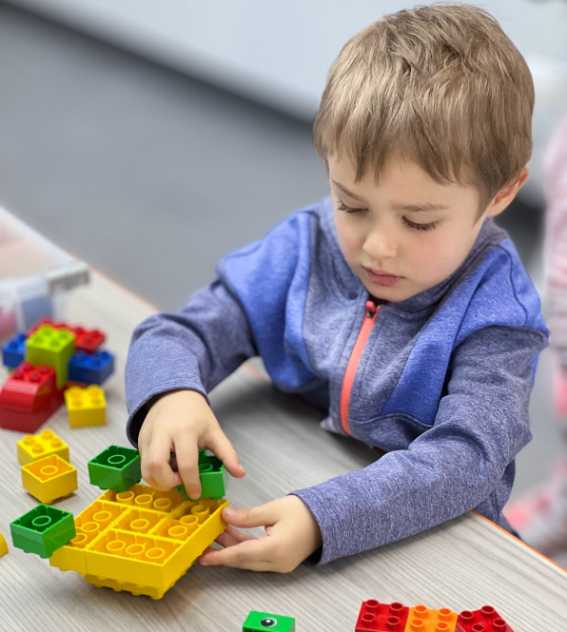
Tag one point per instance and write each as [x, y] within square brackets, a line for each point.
[380, 277]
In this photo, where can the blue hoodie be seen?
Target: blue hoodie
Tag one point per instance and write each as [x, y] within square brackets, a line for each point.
[440, 381]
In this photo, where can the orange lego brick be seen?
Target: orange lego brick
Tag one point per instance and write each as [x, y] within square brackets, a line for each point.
[424, 619]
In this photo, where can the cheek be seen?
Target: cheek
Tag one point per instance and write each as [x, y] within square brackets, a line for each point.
[349, 239]
[438, 255]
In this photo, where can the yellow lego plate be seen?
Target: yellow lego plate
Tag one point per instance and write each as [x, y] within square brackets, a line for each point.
[140, 540]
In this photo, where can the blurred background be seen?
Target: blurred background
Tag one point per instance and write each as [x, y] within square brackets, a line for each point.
[149, 138]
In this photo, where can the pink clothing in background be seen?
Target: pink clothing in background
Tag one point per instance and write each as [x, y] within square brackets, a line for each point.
[555, 186]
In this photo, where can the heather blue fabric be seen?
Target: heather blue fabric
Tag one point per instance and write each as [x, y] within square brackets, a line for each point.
[442, 386]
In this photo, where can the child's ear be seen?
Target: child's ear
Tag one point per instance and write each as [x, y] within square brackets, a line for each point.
[507, 193]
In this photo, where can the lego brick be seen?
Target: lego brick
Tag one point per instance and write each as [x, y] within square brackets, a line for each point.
[29, 388]
[28, 398]
[424, 619]
[375, 616]
[88, 340]
[140, 540]
[3, 546]
[51, 347]
[211, 475]
[91, 368]
[42, 530]
[259, 621]
[486, 619]
[14, 351]
[36, 446]
[24, 421]
[49, 478]
[116, 468]
[85, 406]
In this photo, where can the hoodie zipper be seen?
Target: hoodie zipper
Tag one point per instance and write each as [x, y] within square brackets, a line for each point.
[371, 313]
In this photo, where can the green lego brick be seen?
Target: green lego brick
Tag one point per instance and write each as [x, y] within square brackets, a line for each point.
[116, 468]
[43, 530]
[211, 475]
[51, 347]
[261, 621]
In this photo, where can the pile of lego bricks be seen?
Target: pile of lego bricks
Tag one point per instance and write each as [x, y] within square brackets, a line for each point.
[375, 616]
[131, 538]
[52, 363]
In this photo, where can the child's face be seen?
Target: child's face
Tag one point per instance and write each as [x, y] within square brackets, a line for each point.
[384, 234]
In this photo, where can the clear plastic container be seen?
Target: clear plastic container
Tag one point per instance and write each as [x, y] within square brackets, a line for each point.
[25, 301]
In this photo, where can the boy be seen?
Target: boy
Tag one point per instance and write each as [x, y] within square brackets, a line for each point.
[396, 303]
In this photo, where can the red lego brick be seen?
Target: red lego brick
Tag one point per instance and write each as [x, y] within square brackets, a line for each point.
[88, 340]
[28, 421]
[486, 619]
[29, 397]
[28, 388]
[375, 616]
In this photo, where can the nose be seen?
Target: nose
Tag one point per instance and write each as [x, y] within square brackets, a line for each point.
[380, 245]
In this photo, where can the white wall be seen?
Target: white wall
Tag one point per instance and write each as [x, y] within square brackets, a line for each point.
[279, 53]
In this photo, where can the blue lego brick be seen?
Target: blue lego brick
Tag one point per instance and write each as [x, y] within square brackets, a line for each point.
[91, 368]
[14, 351]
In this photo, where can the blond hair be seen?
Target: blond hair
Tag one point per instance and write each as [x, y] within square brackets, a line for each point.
[440, 85]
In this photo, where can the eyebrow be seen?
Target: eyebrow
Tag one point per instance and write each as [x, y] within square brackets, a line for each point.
[425, 206]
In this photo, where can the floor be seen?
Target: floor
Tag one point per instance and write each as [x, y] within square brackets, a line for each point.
[150, 175]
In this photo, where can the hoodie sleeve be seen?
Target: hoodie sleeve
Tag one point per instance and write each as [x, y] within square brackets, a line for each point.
[254, 307]
[481, 424]
[194, 349]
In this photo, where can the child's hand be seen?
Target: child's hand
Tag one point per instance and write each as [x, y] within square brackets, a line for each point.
[182, 422]
[292, 534]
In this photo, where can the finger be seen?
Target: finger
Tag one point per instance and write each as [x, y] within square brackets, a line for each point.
[233, 536]
[219, 443]
[247, 518]
[156, 470]
[252, 555]
[187, 456]
[143, 440]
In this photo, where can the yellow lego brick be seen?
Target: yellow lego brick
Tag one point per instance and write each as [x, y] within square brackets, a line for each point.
[86, 406]
[424, 619]
[140, 540]
[35, 446]
[3, 546]
[49, 478]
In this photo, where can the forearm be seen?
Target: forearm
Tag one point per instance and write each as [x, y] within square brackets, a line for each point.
[403, 493]
[195, 349]
[481, 424]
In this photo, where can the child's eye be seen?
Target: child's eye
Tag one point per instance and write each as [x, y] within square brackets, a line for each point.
[417, 226]
[348, 209]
